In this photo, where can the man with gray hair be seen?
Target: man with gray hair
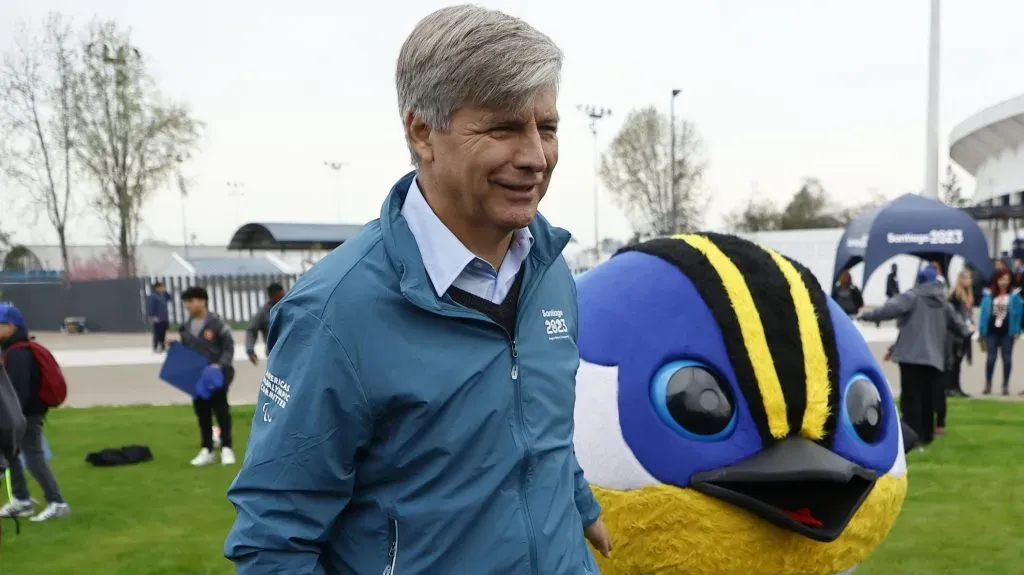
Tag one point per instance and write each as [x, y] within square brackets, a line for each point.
[416, 416]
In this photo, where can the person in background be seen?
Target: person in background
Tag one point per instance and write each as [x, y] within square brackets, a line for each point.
[998, 266]
[206, 334]
[939, 275]
[156, 308]
[892, 282]
[1017, 269]
[26, 377]
[847, 295]
[260, 322]
[961, 297]
[925, 319]
[1000, 324]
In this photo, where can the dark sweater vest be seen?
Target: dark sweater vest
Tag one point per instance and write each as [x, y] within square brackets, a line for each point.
[504, 314]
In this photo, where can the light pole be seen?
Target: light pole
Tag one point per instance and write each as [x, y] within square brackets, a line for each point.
[931, 163]
[595, 114]
[336, 168]
[183, 190]
[672, 160]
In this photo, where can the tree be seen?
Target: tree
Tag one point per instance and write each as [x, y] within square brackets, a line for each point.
[810, 207]
[637, 169]
[37, 96]
[20, 259]
[760, 214]
[130, 136]
[952, 191]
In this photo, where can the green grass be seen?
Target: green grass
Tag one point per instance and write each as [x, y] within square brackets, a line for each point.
[162, 517]
[964, 514]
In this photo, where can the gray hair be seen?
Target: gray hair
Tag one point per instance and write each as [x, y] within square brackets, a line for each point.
[467, 55]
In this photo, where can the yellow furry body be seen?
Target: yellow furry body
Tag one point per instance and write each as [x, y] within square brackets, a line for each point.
[665, 530]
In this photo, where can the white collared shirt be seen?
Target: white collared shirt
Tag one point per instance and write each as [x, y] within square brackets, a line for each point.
[450, 263]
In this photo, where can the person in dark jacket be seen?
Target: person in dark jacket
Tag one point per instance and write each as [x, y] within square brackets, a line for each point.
[961, 297]
[925, 318]
[847, 295]
[205, 333]
[156, 308]
[892, 283]
[26, 378]
[260, 322]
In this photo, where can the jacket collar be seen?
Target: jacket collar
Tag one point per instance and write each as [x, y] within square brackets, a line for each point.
[405, 257]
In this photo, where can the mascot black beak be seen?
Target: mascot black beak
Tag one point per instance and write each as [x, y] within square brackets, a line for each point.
[795, 484]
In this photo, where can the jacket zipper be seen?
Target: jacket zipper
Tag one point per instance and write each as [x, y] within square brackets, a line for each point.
[520, 416]
[389, 569]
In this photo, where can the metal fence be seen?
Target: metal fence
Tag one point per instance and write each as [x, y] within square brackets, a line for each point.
[234, 298]
[119, 305]
[107, 305]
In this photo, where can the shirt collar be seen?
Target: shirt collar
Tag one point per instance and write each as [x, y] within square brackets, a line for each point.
[444, 256]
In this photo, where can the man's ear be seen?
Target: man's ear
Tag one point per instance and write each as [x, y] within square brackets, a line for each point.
[418, 133]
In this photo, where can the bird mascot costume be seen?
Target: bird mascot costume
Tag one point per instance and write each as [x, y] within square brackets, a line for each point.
[730, 418]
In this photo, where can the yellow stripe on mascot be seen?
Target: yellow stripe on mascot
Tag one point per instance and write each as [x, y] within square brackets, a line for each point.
[730, 418]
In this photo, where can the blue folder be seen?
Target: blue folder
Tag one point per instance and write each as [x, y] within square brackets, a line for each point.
[183, 368]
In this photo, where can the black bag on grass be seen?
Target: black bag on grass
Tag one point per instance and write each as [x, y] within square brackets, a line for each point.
[126, 455]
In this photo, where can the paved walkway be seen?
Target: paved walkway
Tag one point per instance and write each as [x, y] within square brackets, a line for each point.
[121, 369]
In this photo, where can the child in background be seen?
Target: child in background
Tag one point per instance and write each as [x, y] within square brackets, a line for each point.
[208, 335]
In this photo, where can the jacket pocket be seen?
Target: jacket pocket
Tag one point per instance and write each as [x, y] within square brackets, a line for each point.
[392, 556]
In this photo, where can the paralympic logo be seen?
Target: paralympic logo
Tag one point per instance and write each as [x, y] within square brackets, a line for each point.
[267, 417]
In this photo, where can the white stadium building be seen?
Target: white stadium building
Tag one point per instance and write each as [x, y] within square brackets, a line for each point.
[990, 147]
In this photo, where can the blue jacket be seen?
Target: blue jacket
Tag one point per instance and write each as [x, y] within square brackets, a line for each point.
[401, 433]
[1015, 314]
[156, 305]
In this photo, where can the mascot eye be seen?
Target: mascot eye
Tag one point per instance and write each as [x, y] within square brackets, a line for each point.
[864, 409]
[694, 401]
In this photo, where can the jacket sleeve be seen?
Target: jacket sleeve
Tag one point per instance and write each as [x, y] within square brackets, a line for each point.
[586, 504]
[150, 306]
[227, 345]
[858, 298]
[259, 319]
[311, 418]
[19, 369]
[893, 308]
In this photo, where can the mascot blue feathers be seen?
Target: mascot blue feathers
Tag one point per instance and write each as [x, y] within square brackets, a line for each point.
[730, 417]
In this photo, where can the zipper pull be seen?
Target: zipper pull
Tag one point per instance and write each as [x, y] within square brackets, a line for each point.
[515, 349]
[515, 371]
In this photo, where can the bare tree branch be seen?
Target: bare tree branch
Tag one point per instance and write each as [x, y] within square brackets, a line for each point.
[130, 137]
[637, 169]
[37, 91]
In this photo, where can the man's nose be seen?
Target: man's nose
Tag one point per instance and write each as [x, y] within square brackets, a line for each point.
[530, 151]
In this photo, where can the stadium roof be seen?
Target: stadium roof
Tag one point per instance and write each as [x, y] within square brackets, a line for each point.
[987, 134]
[291, 236]
[233, 266]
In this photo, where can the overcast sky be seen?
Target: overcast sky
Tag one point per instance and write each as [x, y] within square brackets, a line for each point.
[779, 91]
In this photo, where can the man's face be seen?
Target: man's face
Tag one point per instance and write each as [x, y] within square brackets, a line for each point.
[195, 307]
[159, 289]
[7, 331]
[495, 166]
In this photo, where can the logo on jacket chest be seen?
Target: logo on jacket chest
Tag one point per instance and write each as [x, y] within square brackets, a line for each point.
[555, 324]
